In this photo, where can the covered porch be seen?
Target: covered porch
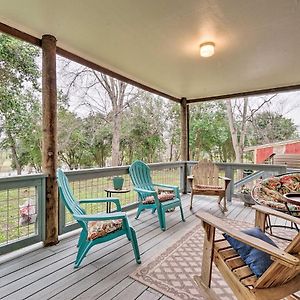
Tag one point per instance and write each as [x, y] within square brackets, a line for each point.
[155, 47]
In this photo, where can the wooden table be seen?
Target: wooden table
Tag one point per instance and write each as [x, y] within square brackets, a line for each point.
[109, 193]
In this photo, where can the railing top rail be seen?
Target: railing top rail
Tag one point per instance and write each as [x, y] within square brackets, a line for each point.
[19, 178]
[93, 172]
[119, 170]
[245, 166]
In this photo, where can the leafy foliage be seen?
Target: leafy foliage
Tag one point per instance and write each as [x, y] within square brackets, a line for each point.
[270, 127]
[209, 132]
[142, 134]
[19, 105]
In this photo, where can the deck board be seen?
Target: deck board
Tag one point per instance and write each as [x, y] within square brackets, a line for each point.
[104, 274]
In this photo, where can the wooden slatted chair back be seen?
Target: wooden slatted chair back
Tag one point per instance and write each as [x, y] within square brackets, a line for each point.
[278, 274]
[66, 194]
[206, 173]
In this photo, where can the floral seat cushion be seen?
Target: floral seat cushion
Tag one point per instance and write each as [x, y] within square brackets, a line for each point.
[161, 197]
[270, 191]
[97, 229]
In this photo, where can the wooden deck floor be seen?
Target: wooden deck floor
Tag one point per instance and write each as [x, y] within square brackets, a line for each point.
[104, 274]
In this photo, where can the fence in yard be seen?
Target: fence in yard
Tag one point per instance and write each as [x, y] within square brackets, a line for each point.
[22, 198]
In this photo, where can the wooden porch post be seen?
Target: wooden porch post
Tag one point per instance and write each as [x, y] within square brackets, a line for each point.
[184, 139]
[184, 130]
[49, 96]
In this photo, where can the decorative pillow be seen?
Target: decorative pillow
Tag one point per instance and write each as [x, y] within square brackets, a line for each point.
[97, 229]
[161, 197]
[208, 187]
[257, 260]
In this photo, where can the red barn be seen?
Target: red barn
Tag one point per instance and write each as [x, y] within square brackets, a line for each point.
[262, 153]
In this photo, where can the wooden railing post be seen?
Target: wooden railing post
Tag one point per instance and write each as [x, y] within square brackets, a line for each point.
[230, 190]
[49, 95]
[184, 130]
[183, 178]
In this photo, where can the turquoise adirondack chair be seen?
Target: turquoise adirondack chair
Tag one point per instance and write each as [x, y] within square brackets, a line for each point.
[140, 176]
[83, 219]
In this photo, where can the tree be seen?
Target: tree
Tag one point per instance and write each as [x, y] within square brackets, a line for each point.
[72, 145]
[101, 94]
[143, 130]
[19, 104]
[209, 132]
[239, 114]
[99, 138]
[269, 127]
[238, 128]
[172, 131]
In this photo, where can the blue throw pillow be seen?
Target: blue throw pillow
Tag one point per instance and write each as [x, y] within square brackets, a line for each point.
[257, 260]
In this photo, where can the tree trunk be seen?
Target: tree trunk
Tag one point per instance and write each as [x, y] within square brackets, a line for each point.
[116, 140]
[238, 138]
[14, 154]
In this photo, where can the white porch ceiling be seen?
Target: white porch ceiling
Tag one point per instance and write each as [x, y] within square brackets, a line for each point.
[156, 42]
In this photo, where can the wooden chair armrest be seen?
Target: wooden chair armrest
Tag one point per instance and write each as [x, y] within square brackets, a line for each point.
[269, 211]
[281, 255]
[225, 178]
[190, 179]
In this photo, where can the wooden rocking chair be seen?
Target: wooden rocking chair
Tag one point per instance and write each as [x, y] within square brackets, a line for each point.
[280, 280]
[205, 180]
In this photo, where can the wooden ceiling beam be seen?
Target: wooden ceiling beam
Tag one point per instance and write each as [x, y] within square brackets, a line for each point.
[275, 90]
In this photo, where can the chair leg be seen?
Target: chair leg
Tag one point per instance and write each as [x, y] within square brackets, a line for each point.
[138, 212]
[223, 208]
[127, 230]
[82, 251]
[161, 218]
[135, 246]
[192, 195]
[182, 216]
[153, 210]
[225, 204]
[82, 238]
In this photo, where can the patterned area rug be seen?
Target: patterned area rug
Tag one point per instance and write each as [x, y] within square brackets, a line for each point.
[171, 273]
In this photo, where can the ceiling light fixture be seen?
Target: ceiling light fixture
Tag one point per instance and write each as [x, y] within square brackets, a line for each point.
[207, 49]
